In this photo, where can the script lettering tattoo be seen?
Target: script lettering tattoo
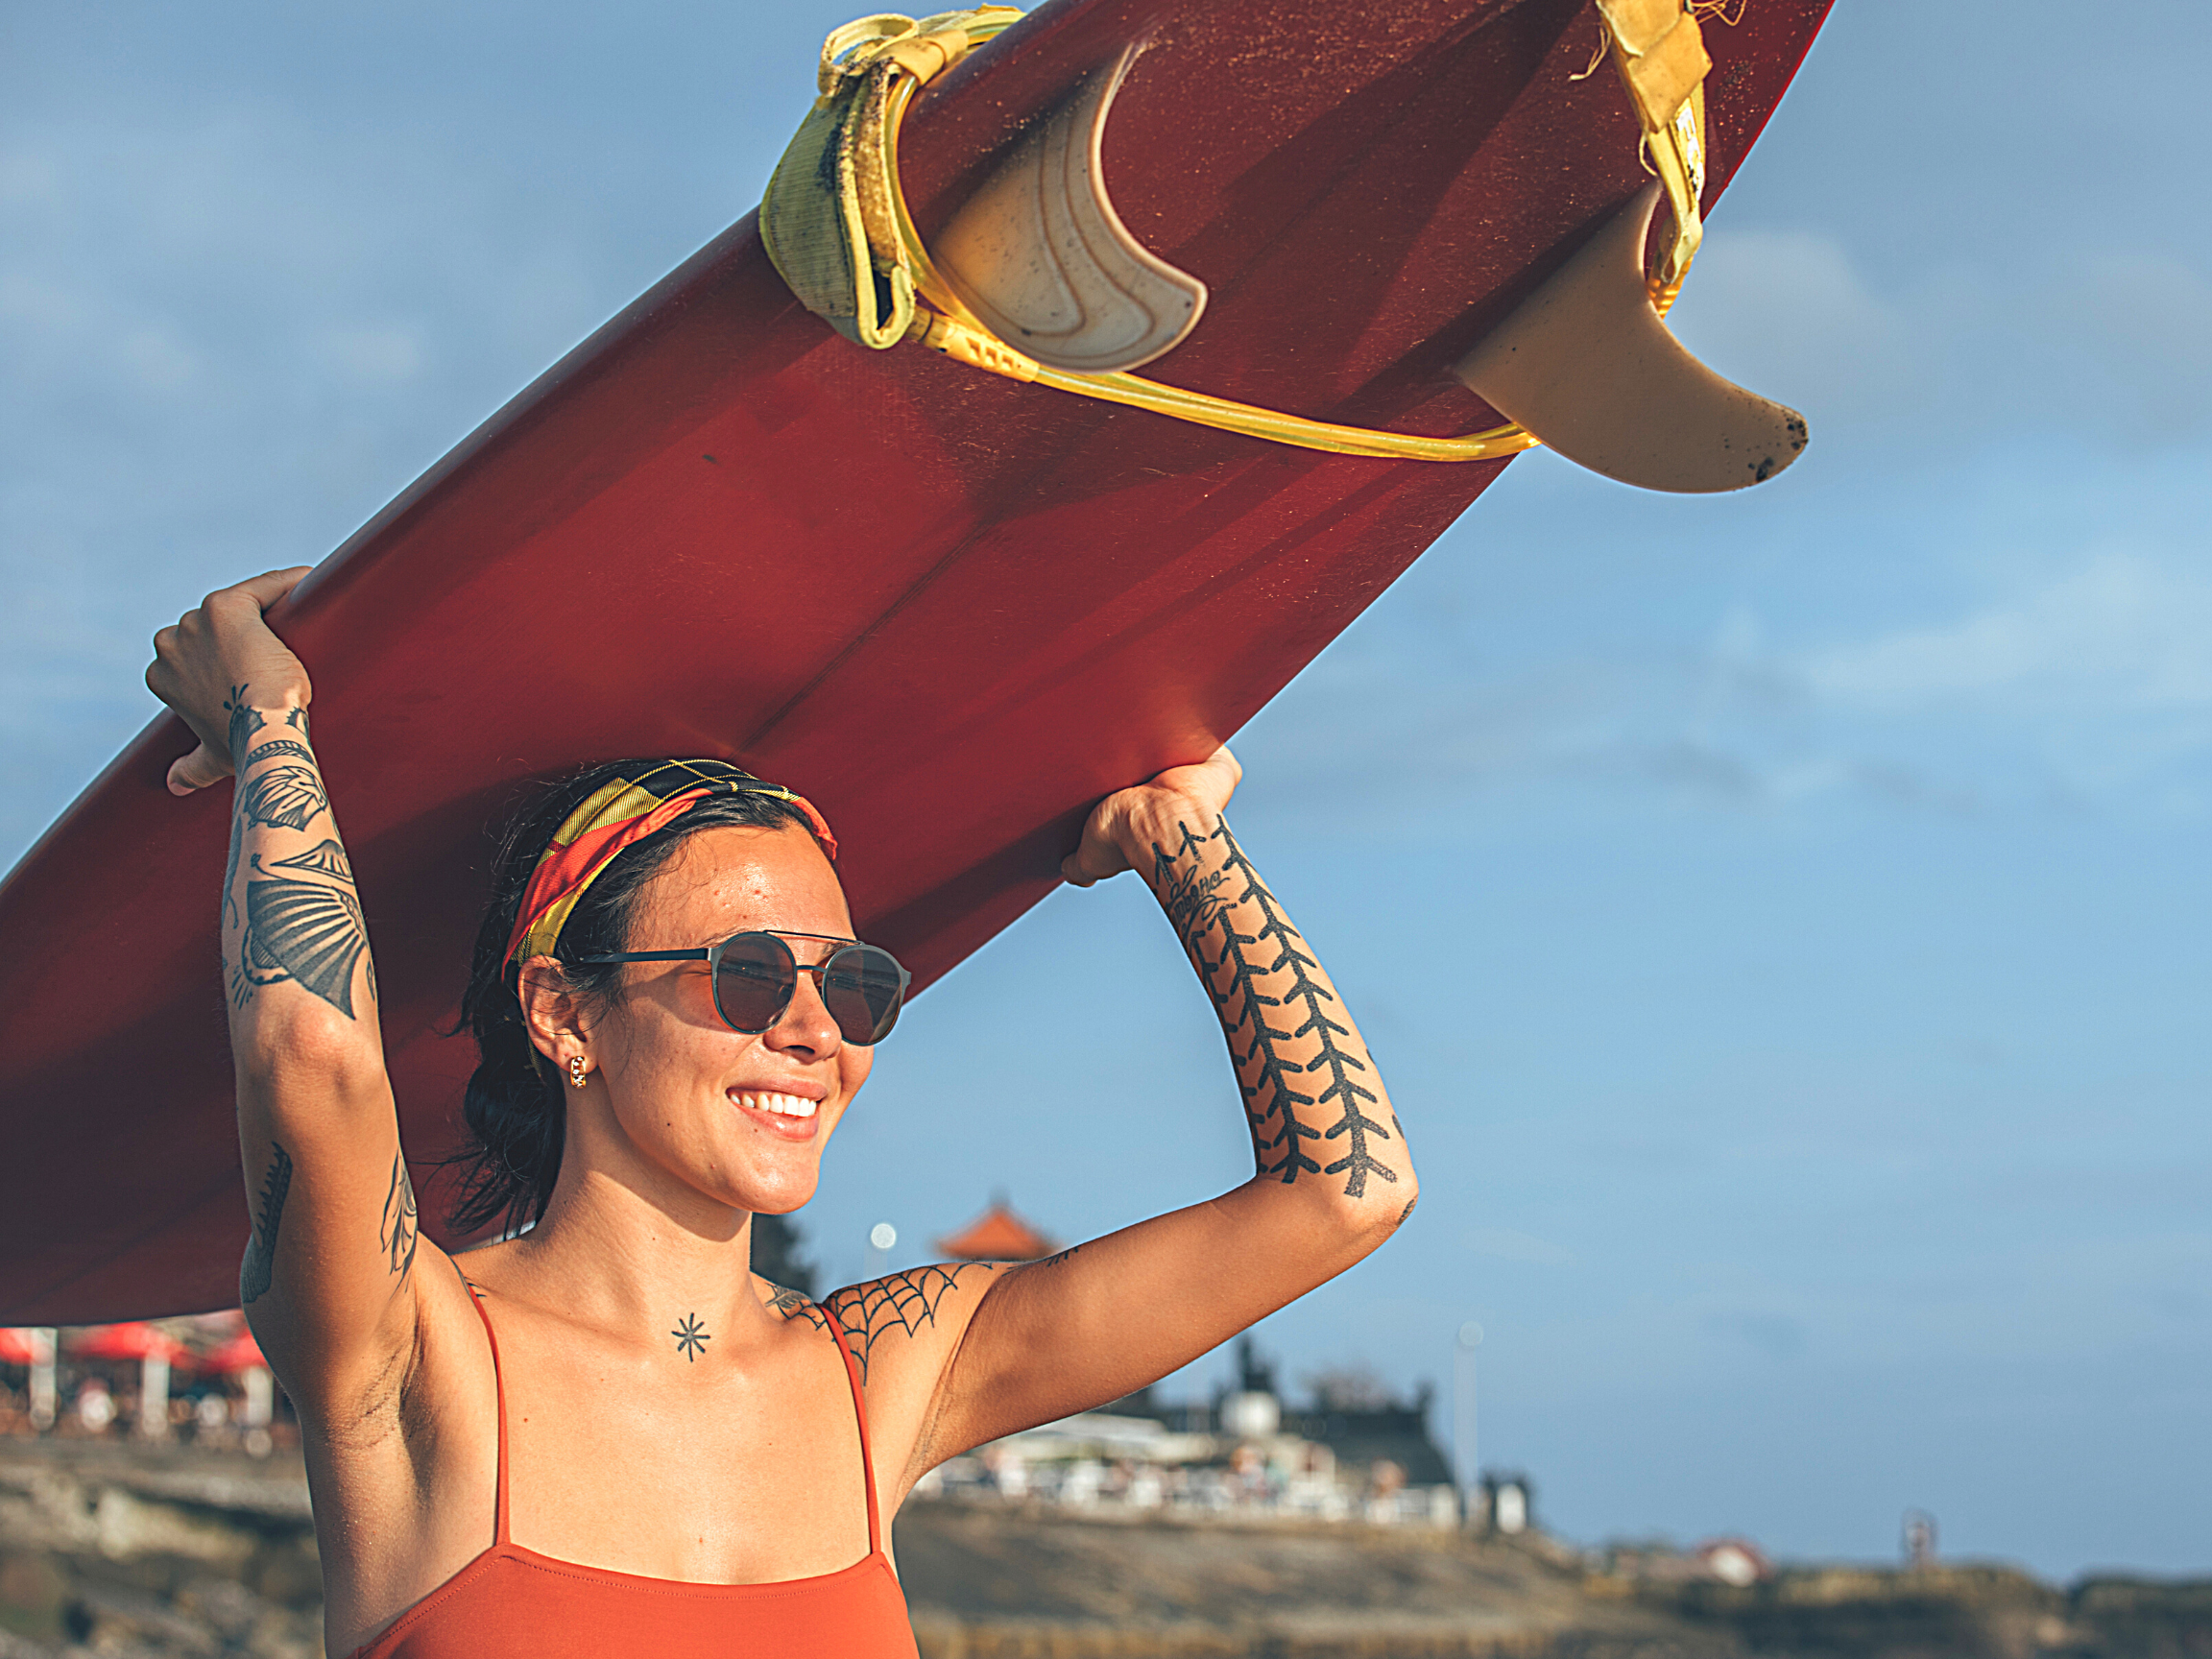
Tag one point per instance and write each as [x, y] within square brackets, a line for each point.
[244, 721]
[276, 746]
[691, 1336]
[396, 1232]
[1206, 884]
[284, 798]
[259, 1266]
[300, 931]
[904, 1302]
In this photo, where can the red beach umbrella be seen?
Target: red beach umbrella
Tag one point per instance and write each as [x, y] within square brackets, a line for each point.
[241, 1352]
[133, 1339]
[15, 1347]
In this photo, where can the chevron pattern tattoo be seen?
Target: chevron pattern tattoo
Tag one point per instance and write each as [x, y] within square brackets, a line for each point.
[1286, 1028]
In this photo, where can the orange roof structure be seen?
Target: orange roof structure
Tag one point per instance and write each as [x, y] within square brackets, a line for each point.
[998, 1235]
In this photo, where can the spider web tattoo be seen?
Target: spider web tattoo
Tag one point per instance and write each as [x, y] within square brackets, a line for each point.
[797, 1305]
[903, 1302]
[1255, 966]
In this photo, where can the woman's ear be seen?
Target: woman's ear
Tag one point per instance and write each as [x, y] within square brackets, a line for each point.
[550, 1009]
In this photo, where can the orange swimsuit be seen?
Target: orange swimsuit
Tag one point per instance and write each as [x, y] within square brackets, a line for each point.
[514, 1603]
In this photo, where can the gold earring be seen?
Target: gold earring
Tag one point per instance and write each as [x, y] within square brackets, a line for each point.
[576, 1070]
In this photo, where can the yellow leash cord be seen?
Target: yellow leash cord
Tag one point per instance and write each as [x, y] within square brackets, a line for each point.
[835, 221]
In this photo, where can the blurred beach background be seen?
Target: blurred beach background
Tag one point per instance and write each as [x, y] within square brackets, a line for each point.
[1782, 919]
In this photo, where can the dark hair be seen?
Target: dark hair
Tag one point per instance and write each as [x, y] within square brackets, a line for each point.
[515, 1111]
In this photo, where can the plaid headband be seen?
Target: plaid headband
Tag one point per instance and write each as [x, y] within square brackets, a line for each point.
[618, 816]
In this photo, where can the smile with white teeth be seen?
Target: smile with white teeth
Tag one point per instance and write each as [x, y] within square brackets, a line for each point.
[782, 1105]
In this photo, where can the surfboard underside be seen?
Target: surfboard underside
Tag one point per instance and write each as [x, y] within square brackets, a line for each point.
[952, 610]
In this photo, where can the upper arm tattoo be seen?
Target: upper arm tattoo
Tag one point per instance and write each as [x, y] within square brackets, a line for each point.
[259, 1267]
[1255, 963]
[397, 1231]
[903, 1302]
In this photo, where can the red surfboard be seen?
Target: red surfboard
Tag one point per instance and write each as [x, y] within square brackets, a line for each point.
[950, 608]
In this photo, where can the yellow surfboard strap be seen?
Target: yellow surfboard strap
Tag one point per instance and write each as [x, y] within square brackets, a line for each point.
[835, 224]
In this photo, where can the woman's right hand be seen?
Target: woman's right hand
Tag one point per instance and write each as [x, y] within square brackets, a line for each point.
[219, 657]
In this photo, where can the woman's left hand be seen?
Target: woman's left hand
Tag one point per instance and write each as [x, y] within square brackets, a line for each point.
[1119, 825]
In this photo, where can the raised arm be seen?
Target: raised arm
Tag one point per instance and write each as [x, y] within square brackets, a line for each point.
[1332, 1177]
[327, 1277]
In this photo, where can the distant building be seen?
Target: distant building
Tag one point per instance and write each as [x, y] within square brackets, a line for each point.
[1920, 1538]
[1353, 1452]
[1359, 1437]
[998, 1235]
[1508, 1504]
[1736, 1561]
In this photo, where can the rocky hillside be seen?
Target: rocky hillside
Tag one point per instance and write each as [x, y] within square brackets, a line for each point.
[108, 1549]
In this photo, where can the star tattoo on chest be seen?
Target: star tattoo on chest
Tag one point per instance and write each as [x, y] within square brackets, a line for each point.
[691, 1336]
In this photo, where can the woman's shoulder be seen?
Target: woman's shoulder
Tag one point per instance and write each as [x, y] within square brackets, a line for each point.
[907, 1323]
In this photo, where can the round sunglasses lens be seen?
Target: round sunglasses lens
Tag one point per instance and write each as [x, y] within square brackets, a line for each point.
[754, 977]
[862, 988]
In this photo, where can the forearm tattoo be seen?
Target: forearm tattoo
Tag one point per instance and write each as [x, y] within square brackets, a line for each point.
[1257, 967]
[244, 720]
[299, 918]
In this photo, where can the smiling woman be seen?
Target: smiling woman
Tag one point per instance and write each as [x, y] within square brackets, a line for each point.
[603, 1432]
[567, 894]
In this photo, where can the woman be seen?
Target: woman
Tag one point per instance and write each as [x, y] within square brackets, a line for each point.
[605, 1434]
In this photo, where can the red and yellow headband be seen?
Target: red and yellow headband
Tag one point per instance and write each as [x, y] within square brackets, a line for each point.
[619, 816]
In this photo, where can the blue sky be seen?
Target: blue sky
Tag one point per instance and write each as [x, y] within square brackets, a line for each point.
[1782, 919]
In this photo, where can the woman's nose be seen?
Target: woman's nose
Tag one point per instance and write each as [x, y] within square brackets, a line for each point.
[807, 1025]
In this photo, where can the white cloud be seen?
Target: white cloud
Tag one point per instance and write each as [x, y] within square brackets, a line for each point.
[2122, 630]
[1787, 313]
[2111, 342]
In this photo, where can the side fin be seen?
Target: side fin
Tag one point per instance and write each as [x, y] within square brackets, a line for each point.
[1587, 365]
[1043, 260]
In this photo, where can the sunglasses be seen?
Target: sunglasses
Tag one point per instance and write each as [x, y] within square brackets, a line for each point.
[755, 975]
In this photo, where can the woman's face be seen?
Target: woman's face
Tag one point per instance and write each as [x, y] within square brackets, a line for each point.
[740, 1119]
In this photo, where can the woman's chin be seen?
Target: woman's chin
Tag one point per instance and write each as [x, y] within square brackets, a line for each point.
[772, 1188]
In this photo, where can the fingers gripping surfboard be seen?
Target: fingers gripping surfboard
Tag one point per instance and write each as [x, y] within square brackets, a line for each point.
[951, 608]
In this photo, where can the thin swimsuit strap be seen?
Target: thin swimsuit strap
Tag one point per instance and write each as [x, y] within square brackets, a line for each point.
[499, 1509]
[860, 1416]
[500, 1393]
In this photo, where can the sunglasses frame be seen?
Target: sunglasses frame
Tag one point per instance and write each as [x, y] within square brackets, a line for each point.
[711, 954]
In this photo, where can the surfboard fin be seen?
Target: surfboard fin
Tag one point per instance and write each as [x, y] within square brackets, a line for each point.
[1587, 365]
[1042, 260]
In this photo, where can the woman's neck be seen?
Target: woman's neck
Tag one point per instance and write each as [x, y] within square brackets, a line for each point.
[621, 1256]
